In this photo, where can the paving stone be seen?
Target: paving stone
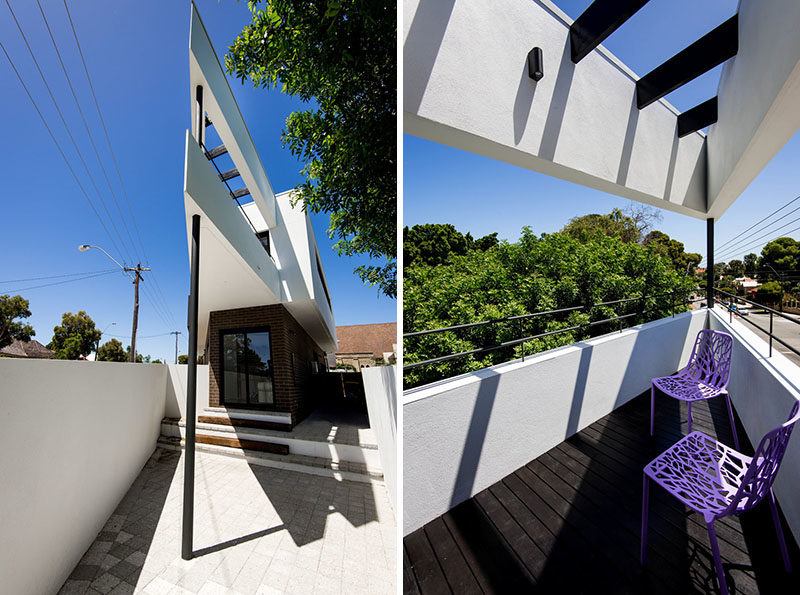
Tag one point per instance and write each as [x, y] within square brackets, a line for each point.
[105, 583]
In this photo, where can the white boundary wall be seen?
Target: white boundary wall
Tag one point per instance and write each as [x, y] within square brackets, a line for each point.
[763, 390]
[463, 434]
[75, 436]
[380, 387]
[175, 405]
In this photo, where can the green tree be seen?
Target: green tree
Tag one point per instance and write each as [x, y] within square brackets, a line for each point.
[781, 254]
[615, 224]
[183, 359]
[736, 268]
[77, 336]
[769, 293]
[750, 264]
[433, 243]
[139, 357]
[685, 262]
[341, 54]
[112, 351]
[11, 329]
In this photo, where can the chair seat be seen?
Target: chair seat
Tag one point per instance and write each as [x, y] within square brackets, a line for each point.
[686, 388]
[702, 473]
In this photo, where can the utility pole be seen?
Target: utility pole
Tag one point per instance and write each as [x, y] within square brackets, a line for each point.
[137, 276]
[176, 333]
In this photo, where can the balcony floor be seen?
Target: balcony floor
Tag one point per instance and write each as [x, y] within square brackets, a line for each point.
[569, 522]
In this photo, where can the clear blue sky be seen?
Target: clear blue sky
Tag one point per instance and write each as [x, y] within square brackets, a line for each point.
[138, 58]
[445, 185]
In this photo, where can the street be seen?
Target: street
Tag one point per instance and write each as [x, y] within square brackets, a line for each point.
[782, 328]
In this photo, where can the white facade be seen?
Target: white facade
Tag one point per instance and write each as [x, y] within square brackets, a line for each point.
[466, 85]
[235, 269]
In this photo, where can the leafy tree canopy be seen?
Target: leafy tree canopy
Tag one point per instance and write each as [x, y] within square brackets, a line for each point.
[750, 264]
[112, 351]
[340, 54]
[12, 308]
[77, 336]
[672, 249]
[183, 359]
[433, 243]
[629, 226]
[769, 293]
[532, 275]
[781, 254]
[736, 268]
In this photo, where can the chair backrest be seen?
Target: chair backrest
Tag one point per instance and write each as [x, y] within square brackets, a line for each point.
[764, 467]
[710, 361]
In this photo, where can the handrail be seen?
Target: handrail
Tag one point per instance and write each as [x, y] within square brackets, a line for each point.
[521, 340]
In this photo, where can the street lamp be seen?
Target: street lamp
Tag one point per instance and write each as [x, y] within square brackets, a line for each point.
[137, 276]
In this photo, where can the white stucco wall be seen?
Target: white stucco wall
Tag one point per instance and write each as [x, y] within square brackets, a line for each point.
[380, 387]
[175, 404]
[74, 437]
[464, 434]
[466, 85]
[763, 390]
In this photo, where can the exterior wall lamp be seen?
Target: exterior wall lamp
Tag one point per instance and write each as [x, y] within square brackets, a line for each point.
[535, 64]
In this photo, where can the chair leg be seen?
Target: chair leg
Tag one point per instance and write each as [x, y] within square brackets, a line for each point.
[689, 409]
[652, 407]
[779, 530]
[712, 537]
[645, 498]
[733, 424]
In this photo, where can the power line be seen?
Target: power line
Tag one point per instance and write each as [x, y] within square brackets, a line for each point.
[59, 282]
[760, 222]
[86, 126]
[750, 241]
[63, 121]
[55, 276]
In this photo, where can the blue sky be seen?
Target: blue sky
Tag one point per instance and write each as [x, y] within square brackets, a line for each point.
[445, 185]
[137, 56]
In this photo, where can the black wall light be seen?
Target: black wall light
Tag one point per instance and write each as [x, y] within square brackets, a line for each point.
[535, 64]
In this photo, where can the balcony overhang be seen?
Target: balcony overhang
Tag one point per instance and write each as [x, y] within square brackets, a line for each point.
[466, 85]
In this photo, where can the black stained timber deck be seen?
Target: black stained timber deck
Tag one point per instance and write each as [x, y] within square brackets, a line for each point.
[569, 522]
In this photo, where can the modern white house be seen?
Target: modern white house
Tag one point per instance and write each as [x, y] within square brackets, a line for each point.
[265, 320]
[527, 475]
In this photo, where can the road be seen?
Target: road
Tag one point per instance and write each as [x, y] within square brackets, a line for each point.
[782, 328]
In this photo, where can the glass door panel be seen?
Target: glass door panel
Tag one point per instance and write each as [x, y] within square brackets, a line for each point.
[233, 368]
[259, 369]
[247, 369]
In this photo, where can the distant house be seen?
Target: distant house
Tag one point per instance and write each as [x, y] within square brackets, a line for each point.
[747, 284]
[31, 349]
[360, 345]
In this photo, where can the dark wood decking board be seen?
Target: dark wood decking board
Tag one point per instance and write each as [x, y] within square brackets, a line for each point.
[569, 522]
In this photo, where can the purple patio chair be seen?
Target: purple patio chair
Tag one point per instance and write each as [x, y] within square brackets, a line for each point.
[717, 481]
[704, 377]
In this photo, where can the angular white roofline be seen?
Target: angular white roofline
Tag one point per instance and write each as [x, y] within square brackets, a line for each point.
[466, 85]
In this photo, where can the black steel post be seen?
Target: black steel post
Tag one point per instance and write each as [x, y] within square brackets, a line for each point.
[770, 334]
[191, 398]
[200, 120]
[710, 262]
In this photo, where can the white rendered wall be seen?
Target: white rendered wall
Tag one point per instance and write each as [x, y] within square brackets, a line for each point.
[466, 85]
[464, 434]
[759, 94]
[175, 404]
[75, 436]
[763, 390]
[380, 387]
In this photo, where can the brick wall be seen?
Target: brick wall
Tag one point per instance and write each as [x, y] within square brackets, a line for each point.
[292, 352]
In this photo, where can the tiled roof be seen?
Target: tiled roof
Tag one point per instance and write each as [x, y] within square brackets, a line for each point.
[377, 338]
[32, 349]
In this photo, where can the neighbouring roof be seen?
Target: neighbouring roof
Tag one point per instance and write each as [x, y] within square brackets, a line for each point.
[377, 338]
[31, 348]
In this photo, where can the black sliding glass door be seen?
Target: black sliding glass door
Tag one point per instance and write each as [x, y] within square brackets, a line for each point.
[247, 369]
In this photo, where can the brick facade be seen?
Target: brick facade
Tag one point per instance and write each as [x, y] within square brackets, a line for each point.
[292, 351]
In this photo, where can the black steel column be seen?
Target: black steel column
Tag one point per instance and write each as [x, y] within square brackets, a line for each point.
[191, 398]
[710, 262]
[200, 120]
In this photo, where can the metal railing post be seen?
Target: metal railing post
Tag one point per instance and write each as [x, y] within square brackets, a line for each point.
[520, 338]
[770, 334]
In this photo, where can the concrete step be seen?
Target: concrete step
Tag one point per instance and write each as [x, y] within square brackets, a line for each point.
[340, 470]
[330, 449]
[245, 423]
[261, 446]
[278, 417]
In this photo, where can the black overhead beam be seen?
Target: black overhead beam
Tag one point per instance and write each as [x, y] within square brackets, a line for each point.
[704, 54]
[698, 117]
[216, 152]
[597, 22]
[227, 175]
[239, 193]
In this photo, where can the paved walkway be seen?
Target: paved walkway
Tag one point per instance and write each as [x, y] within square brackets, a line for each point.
[257, 530]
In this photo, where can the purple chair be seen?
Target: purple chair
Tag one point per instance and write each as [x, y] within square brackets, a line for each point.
[716, 481]
[704, 377]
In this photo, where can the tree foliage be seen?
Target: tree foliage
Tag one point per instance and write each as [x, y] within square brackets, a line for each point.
[736, 268]
[781, 254]
[341, 55]
[673, 249]
[183, 359]
[750, 264]
[535, 274]
[630, 225]
[433, 243]
[112, 351]
[769, 293]
[12, 309]
[75, 337]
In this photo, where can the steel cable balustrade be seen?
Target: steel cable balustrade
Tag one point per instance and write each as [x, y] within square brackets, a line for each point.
[523, 317]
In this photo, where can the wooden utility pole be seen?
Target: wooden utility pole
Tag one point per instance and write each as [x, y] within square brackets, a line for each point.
[137, 276]
[176, 333]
